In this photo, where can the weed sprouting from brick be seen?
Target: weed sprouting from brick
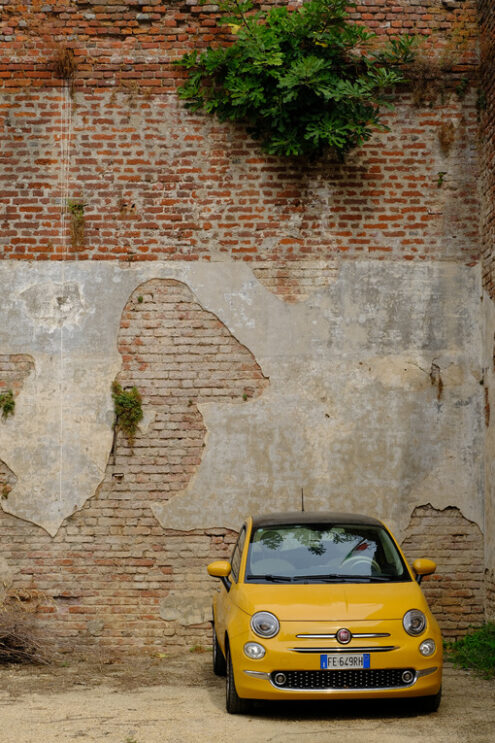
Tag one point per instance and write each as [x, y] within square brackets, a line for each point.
[7, 403]
[128, 410]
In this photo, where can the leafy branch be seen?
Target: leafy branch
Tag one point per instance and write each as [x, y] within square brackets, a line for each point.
[303, 81]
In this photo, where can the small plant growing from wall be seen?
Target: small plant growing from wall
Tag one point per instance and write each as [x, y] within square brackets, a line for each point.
[303, 80]
[128, 410]
[7, 403]
[76, 211]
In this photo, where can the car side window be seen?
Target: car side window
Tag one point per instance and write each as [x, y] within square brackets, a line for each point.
[235, 560]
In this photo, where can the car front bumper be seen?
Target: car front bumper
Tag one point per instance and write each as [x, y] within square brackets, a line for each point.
[300, 661]
[261, 685]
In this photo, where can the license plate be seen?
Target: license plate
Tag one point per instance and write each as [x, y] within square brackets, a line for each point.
[344, 661]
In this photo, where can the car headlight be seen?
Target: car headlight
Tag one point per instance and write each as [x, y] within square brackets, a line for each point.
[265, 624]
[414, 622]
[427, 647]
[254, 650]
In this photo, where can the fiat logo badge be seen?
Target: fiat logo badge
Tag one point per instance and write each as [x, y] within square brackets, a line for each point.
[344, 636]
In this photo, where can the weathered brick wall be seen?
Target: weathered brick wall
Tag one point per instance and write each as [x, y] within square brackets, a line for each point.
[456, 591]
[158, 182]
[487, 97]
[152, 181]
[112, 572]
[490, 594]
[487, 92]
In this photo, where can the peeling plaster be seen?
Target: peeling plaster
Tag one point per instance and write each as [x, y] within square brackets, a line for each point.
[350, 413]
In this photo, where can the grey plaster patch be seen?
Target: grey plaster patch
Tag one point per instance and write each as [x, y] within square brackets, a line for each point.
[186, 607]
[350, 413]
[54, 304]
[95, 627]
[6, 575]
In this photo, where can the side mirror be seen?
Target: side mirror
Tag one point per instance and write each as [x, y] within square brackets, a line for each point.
[423, 567]
[221, 569]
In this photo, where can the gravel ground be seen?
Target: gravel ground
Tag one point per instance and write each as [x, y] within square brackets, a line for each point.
[179, 700]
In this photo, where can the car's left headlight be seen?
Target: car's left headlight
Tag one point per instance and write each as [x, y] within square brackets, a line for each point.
[414, 622]
[265, 624]
[427, 647]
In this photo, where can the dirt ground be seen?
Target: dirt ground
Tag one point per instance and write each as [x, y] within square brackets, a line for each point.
[179, 700]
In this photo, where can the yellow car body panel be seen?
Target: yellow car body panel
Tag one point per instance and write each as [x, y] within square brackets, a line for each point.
[322, 609]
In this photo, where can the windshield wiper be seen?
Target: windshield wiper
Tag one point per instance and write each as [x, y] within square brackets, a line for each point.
[337, 578]
[271, 578]
[324, 577]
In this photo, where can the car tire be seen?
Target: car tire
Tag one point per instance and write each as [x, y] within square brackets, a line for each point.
[233, 702]
[219, 664]
[427, 705]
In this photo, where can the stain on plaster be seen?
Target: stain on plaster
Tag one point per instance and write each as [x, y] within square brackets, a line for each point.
[187, 607]
[54, 304]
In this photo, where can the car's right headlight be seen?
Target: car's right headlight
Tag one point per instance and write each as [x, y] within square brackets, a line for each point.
[265, 624]
[414, 622]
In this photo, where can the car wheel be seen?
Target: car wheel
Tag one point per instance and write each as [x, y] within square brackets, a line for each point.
[219, 664]
[233, 703]
[430, 704]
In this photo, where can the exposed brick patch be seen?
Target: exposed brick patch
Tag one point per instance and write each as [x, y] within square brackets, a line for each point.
[490, 595]
[455, 592]
[295, 281]
[178, 355]
[7, 480]
[110, 568]
[487, 106]
[14, 368]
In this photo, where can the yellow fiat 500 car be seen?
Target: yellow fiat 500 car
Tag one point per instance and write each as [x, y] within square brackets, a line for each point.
[323, 606]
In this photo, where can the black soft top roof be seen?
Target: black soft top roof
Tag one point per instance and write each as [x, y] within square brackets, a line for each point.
[312, 517]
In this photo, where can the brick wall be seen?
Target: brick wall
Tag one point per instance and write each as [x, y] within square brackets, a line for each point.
[109, 166]
[487, 92]
[157, 182]
[456, 591]
[111, 573]
[487, 95]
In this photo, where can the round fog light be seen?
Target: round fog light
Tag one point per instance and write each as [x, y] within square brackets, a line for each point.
[407, 676]
[254, 650]
[427, 647]
[280, 679]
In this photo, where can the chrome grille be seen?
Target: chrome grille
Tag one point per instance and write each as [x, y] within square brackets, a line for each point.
[373, 678]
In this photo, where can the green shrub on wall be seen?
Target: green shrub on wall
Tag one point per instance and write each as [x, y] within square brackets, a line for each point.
[304, 80]
[128, 410]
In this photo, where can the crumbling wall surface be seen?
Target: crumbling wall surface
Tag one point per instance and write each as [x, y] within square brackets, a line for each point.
[287, 326]
[367, 394]
[487, 93]
[456, 592]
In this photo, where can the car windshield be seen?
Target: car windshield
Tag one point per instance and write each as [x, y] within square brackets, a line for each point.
[323, 553]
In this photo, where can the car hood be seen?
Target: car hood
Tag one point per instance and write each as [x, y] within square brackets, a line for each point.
[331, 602]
